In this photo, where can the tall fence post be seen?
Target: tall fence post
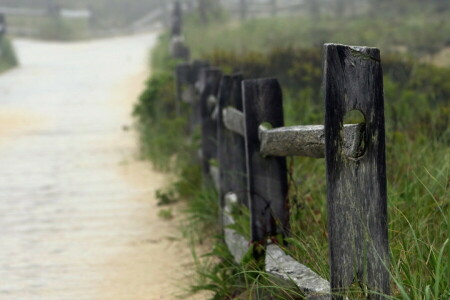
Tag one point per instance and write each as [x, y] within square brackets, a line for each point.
[178, 48]
[177, 20]
[267, 176]
[208, 101]
[356, 186]
[231, 152]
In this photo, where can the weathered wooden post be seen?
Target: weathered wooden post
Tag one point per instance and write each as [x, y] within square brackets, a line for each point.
[195, 85]
[177, 20]
[267, 176]
[178, 48]
[231, 152]
[182, 81]
[356, 184]
[208, 101]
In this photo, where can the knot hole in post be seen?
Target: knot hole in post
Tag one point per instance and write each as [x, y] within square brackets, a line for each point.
[353, 134]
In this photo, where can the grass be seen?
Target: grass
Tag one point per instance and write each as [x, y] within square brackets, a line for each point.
[418, 158]
[415, 30]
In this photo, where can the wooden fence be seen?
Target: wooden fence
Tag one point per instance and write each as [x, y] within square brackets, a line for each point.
[244, 145]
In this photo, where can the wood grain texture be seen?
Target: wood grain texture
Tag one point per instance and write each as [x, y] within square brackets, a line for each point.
[282, 266]
[212, 77]
[267, 176]
[356, 191]
[237, 244]
[232, 175]
[307, 140]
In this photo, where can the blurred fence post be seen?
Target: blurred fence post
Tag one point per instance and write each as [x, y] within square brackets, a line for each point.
[267, 176]
[182, 80]
[208, 101]
[177, 20]
[231, 152]
[196, 83]
[178, 48]
[356, 185]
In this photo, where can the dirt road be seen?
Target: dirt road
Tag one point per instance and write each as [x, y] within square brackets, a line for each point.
[77, 214]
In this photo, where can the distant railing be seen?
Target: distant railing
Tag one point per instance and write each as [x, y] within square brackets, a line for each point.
[243, 147]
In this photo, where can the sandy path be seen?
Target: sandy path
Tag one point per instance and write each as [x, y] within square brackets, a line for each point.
[77, 214]
[14, 121]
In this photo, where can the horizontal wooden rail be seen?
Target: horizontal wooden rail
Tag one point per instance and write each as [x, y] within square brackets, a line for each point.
[284, 267]
[234, 120]
[237, 244]
[307, 140]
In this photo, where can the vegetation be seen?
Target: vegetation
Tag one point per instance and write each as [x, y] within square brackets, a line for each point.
[409, 28]
[8, 58]
[417, 109]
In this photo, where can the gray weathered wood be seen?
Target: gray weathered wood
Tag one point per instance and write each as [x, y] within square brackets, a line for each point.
[177, 20]
[178, 48]
[307, 140]
[281, 265]
[267, 176]
[212, 77]
[231, 145]
[198, 68]
[356, 188]
[236, 243]
[182, 74]
[233, 120]
[214, 173]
